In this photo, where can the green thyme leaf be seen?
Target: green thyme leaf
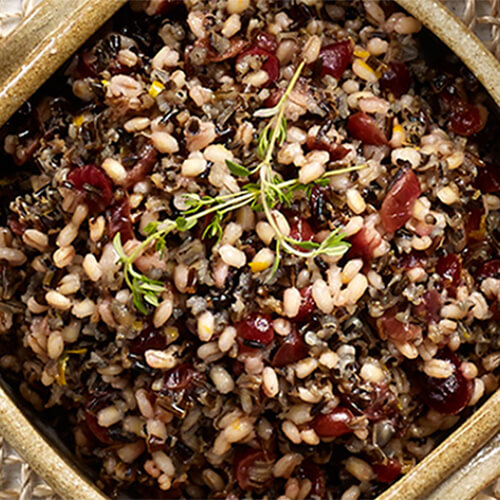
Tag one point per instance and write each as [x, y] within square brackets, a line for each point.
[184, 224]
[306, 245]
[237, 169]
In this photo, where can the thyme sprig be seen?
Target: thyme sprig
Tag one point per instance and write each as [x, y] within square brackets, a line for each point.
[268, 193]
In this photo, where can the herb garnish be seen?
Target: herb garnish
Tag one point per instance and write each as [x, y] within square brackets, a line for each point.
[265, 195]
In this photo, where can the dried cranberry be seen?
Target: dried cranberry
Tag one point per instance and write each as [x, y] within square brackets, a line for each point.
[248, 467]
[398, 202]
[300, 230]
[468, 119]
[15, 226]
[396, 79]
[449, 267]
[363, 243]
[412, 260]
[428, 309]
[270, 65]
[335, 58]
[307, 304]
[490, 269]
[94, 183]
[393, 329]
[337, 151]
[149, 338]
[236, 46]
[446, 395]
[119, 220]
[388, 471]
[256, 330]
[292, 349]
[488, 179]
[86, 64]
[95, 403]
[266, 41]
[163, 7]
[333, 424]
[179, 378]
[312, 471]
[146, 161]
[364, 128]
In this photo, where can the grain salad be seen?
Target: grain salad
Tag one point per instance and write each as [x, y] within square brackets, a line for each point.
[251, 249]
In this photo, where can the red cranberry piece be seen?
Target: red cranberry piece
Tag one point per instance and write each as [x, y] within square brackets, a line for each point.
[430, 306]
[15, 226]
[488, 179]
[363, 243]
[270, 65]
[300, 230]
[364, 128]
[398, 202]
[490, 269]
[414, 259]
[266, 41]
[495, 309]
[179, 378]
[396, 79]
[313, 472]
[446, 395]
[96, 403]
[94, 183]
[248, 466]
[256, 330]
[389, 471]
[335, 58]
[149, 338]
[87, 64]
[146, 161]
[337, 151]
[393, 329]
[307, 304]
[468, 119]
[333, 424]
[291, 350]
[162, 7]
[119, 221]
[449, 267]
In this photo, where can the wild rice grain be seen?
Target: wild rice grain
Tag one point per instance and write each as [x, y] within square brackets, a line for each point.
[36, 239]
[58, 300]
[270, 384]
[92, 268]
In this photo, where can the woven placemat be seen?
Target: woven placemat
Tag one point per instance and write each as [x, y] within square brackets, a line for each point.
[17, 479]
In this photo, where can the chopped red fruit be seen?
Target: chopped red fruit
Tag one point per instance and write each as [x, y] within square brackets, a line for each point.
[270, 65]
[364, 128]
[149, 338]
[388, 471]
[449, 267]
[393, 329]
[335, 58]
[180, 377]
[266, 41]
[489, 269]
[488, 179]
[292, 349]
[256, 330]
[252, 468]
[313, 472]
[300, 230]
[94, 183]
[396, 79]
[15, 226]
[337, 151]
[414, 259]
[428, 309]
[446, 395]
[363, 243]
[468, 119]
[119, 220]
[307, 304]
[146, 161]
[96, 403]
[398, 202]
[333, 424]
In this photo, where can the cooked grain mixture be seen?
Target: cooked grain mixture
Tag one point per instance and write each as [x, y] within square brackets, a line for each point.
[255, 249]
